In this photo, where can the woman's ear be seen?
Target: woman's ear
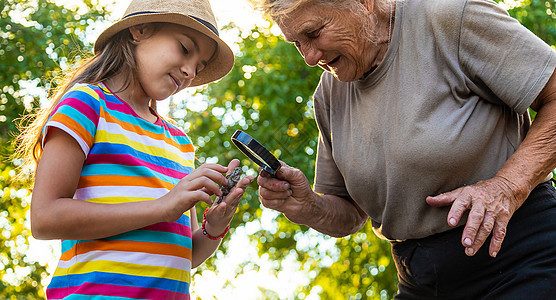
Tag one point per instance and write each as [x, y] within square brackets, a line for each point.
[369, 5]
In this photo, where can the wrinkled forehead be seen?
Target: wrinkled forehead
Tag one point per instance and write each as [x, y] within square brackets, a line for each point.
[310, 16]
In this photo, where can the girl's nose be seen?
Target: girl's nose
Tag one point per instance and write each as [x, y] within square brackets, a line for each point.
[189, 69]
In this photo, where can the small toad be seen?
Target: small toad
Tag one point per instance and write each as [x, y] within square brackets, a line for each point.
[233, 179]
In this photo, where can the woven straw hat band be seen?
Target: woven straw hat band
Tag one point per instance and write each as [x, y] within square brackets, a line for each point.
[199, 9]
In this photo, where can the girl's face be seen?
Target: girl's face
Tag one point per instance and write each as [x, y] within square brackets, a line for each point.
[330, 38]
[169, 57]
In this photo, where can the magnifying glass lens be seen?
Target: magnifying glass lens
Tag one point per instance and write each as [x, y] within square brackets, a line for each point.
[260, 159]
[256, 152]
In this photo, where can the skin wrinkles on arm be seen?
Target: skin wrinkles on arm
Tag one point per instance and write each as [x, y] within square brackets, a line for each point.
[492, 202]
[339, 216]
[291, 194]
[56, 215]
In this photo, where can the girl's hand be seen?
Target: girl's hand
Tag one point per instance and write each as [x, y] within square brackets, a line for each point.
[220, 214]
[197, 186]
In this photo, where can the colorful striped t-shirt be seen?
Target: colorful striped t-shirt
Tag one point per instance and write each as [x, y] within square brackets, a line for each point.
[128, 159]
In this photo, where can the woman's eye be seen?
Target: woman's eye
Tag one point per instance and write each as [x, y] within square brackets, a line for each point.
[314, 34]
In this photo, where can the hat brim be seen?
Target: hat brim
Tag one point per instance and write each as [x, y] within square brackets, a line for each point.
[220, 64]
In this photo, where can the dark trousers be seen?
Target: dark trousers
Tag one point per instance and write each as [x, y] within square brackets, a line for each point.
[436, 267]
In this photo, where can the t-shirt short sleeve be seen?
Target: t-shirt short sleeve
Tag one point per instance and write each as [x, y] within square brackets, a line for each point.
[502, 55]
[77, 114]
[328, 178]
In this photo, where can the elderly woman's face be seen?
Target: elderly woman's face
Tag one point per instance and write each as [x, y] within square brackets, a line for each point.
[330, 38]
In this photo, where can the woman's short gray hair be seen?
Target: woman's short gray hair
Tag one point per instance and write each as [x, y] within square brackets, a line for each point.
[278, 9]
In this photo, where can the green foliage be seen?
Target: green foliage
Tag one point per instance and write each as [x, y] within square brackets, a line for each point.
[14, 201]
[539, 16]
[364, 269]
[37, 39]
[267, 94]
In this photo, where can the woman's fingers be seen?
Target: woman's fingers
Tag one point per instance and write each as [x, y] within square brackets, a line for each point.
[490, 207]
[498, 235]
[460, 203]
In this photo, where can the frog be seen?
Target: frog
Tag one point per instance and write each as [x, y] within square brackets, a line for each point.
[233, 179]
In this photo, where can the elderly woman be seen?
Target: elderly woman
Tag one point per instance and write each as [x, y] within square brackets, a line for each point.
[424, 129]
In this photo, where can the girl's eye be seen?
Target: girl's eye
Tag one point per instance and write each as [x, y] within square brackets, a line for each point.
[199, 68]
[184, 49]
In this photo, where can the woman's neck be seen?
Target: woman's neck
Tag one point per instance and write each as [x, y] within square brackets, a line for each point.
[383, 34]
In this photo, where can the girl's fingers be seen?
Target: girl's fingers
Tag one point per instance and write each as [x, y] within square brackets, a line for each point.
[215, 167]
[204, 184]
[245, 181]
[233, 164]
[235, 195]
[204, 197]
[210, 173]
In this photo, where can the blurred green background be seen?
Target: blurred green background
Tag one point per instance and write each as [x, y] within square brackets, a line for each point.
[268, 94]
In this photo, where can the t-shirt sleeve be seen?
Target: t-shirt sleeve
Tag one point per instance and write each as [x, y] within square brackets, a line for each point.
[328, 178]
[77, 114]
[498, 52]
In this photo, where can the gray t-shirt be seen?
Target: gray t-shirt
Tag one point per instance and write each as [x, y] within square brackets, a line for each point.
[446, 108]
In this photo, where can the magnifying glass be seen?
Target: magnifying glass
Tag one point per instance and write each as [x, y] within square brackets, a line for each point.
[256, 152]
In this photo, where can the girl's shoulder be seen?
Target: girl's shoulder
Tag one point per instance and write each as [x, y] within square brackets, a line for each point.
[87, 94]
[97, 92]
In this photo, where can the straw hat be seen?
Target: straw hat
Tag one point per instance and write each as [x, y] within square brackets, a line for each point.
[195, 14]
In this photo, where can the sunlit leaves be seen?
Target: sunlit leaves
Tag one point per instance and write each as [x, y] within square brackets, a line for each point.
[267, 94]
[38, 39]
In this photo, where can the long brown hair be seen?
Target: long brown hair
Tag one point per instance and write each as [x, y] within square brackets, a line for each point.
[115, 58]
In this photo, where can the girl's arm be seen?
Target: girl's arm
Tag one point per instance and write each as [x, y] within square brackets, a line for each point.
[56, 215]
[218, 218]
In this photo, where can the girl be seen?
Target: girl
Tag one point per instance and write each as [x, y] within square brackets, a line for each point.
[114, 180]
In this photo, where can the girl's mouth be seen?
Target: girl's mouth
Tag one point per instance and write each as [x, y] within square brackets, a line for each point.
[176, 83]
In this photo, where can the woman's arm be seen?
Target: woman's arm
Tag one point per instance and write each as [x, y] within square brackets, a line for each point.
[492, 202]
[56, 215]
[291, 194]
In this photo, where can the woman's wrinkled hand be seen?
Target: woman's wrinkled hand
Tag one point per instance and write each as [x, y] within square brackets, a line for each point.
[491, 204]
[289, 192]
[220, 214]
